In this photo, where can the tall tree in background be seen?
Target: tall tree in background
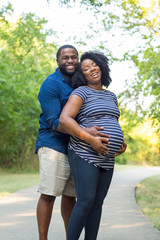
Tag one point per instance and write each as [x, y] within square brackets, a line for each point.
[139, 19]
[145, 20]
[25, 60]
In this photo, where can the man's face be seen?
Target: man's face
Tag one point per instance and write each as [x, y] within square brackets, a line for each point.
[67, 61]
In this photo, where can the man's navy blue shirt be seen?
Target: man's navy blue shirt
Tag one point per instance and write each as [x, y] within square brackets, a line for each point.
[53, 95]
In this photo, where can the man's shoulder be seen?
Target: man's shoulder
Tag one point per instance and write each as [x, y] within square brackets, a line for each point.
[52, 79]
[54, 76]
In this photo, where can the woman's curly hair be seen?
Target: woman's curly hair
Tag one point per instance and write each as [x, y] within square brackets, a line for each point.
[101, 60]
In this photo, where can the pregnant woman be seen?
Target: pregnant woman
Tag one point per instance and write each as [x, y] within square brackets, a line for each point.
[91, 158]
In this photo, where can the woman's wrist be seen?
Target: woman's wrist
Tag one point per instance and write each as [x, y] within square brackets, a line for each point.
[90, 139]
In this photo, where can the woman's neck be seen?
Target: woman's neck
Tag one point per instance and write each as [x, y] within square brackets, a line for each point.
[96, 87]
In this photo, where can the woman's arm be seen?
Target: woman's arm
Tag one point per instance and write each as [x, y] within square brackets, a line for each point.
[70, 126]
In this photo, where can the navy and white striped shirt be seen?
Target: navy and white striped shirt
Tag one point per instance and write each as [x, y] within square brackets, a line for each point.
[99, 108]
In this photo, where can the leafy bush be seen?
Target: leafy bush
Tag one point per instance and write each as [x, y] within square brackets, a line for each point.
[26, 59]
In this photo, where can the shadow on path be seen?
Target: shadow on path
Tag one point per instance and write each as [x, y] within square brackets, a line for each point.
[121, 218]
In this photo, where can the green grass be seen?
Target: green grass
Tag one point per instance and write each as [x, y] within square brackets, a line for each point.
[148, 198]
[12, 182]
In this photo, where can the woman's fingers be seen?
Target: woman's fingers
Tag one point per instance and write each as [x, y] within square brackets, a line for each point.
[99, 146]
[100, 134]
[122, 149]
[98, 128]
[106, 140]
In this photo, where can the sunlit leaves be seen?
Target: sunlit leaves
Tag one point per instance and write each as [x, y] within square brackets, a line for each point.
[26, 59]
[139, 15]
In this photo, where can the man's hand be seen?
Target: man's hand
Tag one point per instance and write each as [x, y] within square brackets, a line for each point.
[95, 131]
[121, 150]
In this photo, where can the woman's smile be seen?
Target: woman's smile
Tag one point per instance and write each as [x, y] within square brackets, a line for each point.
[92, 73]
[95, 75]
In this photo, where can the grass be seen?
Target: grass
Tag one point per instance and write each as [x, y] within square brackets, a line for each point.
[12, 182]
[148, 198]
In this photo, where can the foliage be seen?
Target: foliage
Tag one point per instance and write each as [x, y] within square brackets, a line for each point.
[128, 121]
[26, 58]
[145, 20]
[94, 3]
[143, 145]
[147, 83]
[25, 61]
[139, 19]
[141, 138]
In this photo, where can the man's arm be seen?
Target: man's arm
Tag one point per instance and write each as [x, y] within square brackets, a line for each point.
[50, 104]
[94, 131]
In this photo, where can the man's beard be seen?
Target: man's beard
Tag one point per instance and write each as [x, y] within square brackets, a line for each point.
[65, 72]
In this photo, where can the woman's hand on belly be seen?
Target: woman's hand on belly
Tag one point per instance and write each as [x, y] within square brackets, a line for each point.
[97, 143]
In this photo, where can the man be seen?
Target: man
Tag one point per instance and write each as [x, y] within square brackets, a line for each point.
[51, 145]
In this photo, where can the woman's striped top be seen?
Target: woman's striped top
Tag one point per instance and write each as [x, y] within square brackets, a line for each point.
[99, 109]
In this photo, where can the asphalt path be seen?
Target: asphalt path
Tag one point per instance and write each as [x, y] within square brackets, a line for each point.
[121, 219]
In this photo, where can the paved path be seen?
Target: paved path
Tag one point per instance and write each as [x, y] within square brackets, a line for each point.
[121, 219]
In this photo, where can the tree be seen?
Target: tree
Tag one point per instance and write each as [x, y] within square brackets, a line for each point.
[145, 21]
[26, 59]
[138, 19]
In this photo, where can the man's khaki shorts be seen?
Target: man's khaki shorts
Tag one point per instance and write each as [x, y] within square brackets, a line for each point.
[55, 175]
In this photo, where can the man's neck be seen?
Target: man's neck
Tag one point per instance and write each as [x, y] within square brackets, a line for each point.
[67, 77]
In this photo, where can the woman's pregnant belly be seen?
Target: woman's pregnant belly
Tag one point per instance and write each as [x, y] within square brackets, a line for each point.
[112, 128]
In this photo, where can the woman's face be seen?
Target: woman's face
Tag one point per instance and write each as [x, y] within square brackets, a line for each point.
[91, 72]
